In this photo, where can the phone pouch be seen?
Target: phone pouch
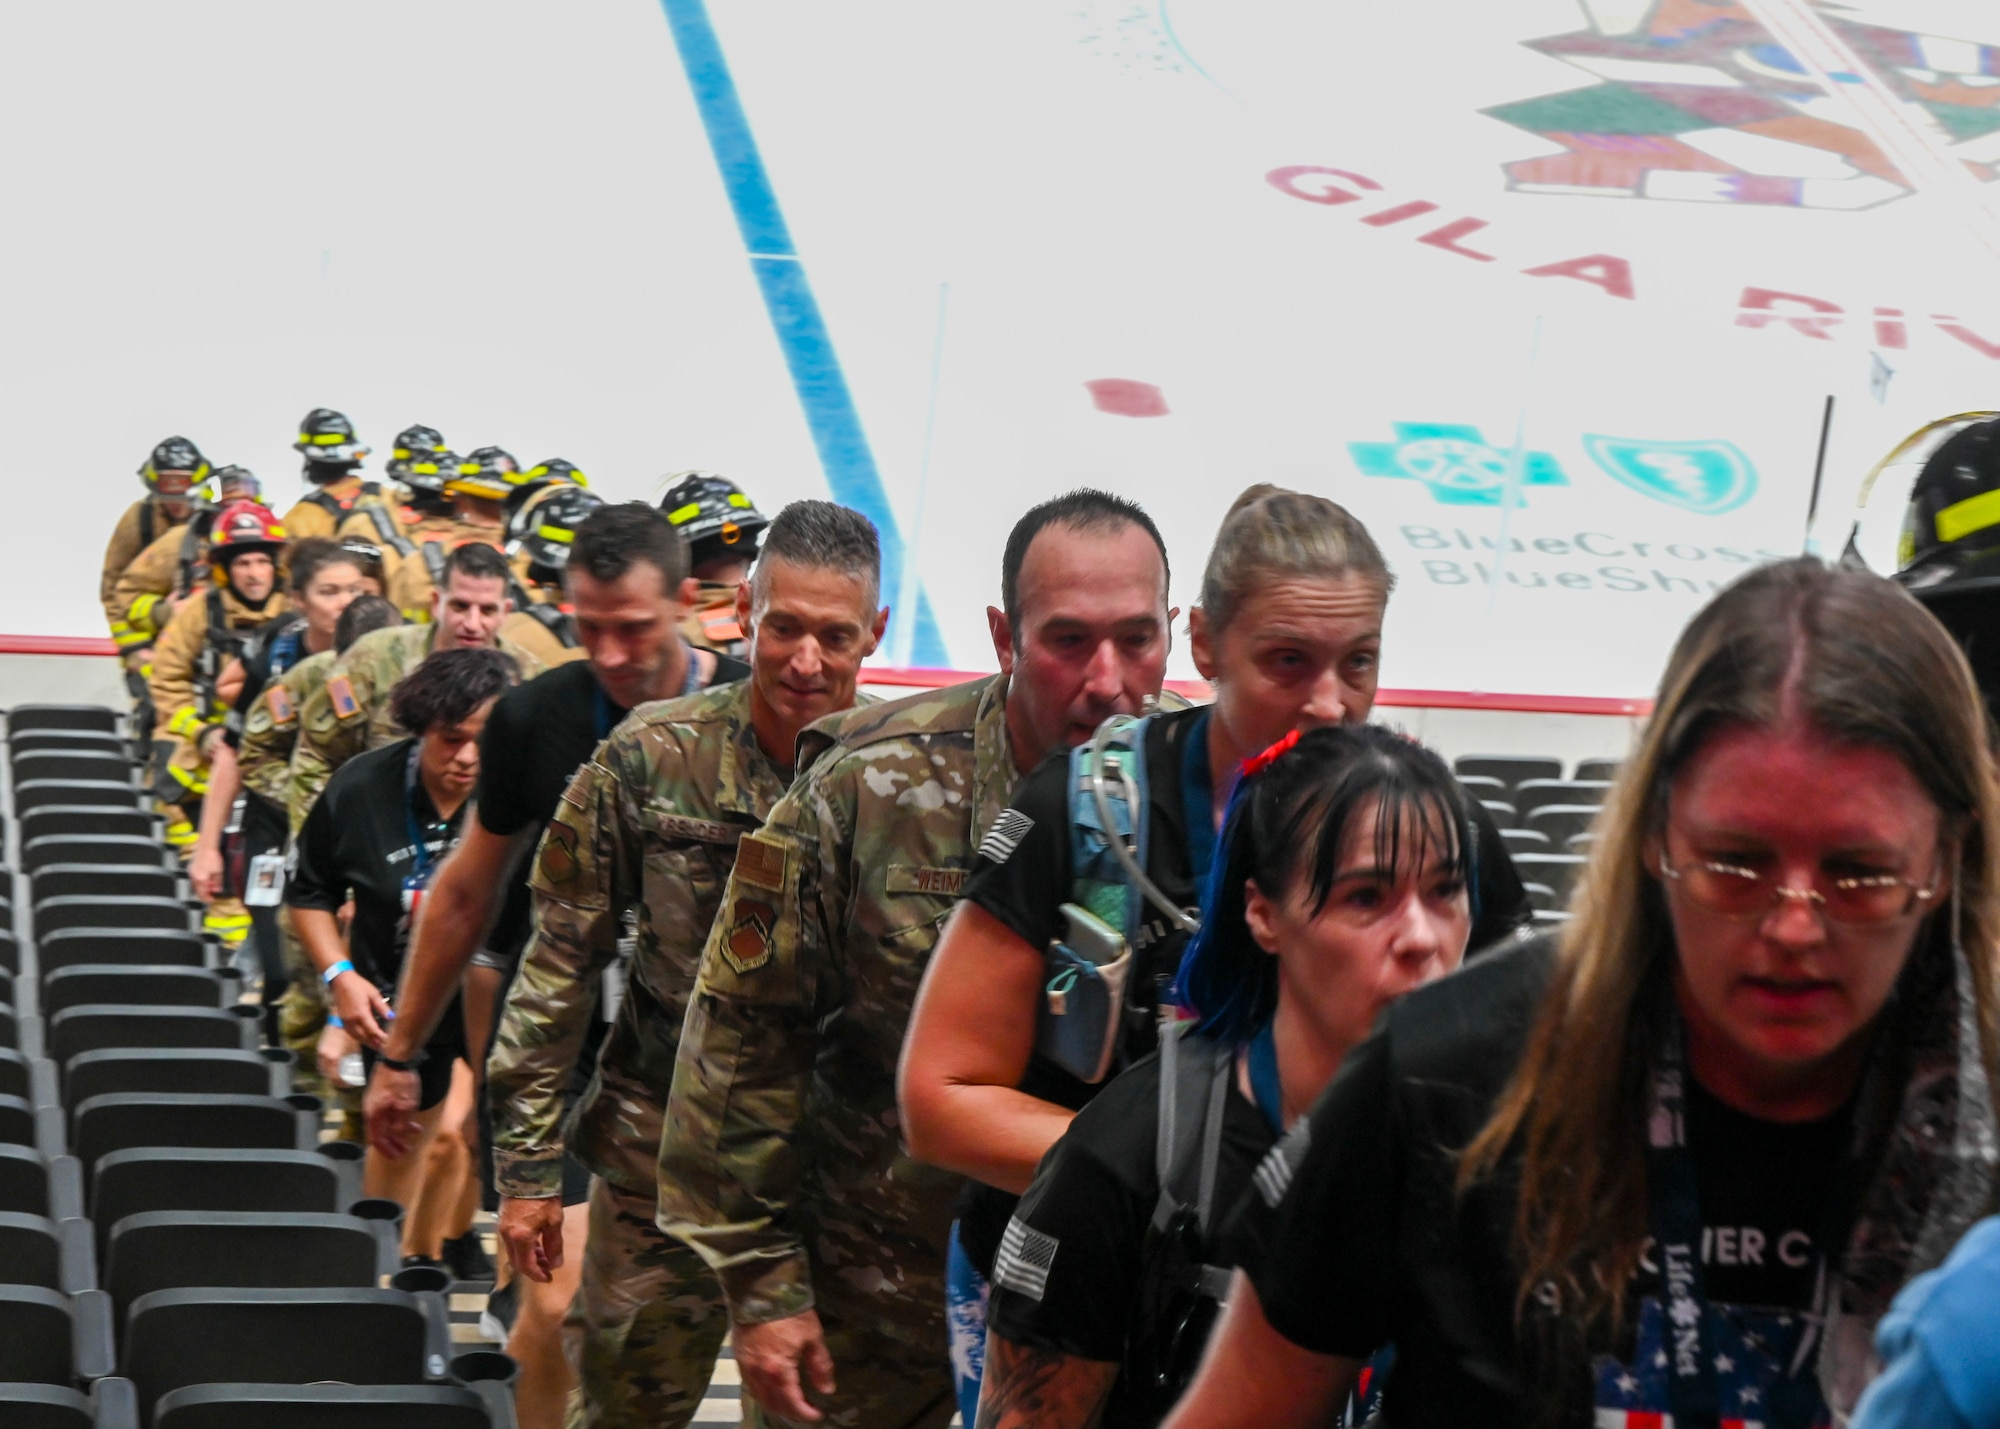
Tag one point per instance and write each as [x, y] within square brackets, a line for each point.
[1078, 1024]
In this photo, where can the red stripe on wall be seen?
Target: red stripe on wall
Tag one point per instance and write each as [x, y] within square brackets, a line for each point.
[1497, 701]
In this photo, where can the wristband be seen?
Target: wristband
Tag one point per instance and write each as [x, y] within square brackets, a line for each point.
[395, 1066]
[343, 966]
[333, 1020]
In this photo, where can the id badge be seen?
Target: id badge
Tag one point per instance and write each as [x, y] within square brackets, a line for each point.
[264, 884]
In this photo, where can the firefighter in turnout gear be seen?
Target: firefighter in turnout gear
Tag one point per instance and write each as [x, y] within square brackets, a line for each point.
[171, 472]
[339, 501]
[539, 533]
[205, 634]
[156, 581]
[722, 527]
[470, 491]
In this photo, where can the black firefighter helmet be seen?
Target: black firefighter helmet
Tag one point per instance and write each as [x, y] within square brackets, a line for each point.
[714, 517]
[1948, 555]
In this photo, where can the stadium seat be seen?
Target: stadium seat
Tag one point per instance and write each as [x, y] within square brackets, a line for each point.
[327, 1406]
[119, 1121]
[142, 849]
[96, 1025]
[55, 914]
[1503, 812]
[1483, 786]
[1560, 821]
[1556, 871]
[71, 764]
[1546, 918]
[19, 1126]
[181, 1178]
[290, 1250]
[16, 1078]
[151, 985]
[34, 1185]
[146, 946]
[53, 819]
[191, 1071]
[1579, 844]
[1509, 769]
[47, 1337]
[23, 718]
[177, 1338]
[1600, 770]
[103, 880]
[110, 1404]
[10, 953]
[95, 741]
[31, 1251]
[1539, 793]
[34, 793]
[1520, 841]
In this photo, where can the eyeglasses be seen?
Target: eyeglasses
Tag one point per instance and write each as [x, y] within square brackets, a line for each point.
[1736, 892]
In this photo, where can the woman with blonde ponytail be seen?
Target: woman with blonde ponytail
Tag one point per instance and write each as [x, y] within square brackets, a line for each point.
[1679, 1161]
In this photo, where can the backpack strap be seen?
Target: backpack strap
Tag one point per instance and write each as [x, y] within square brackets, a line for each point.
[1097, 880]
[326, 501]
[385, 527]
[434, 559]
[1187, 1145]
[147, 514]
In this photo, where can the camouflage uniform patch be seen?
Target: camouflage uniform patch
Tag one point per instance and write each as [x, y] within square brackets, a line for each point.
[782, 1161]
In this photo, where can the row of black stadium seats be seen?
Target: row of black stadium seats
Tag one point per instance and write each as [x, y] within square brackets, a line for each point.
[1513, 770]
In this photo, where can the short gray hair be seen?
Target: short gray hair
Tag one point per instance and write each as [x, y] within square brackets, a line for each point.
[822, 535]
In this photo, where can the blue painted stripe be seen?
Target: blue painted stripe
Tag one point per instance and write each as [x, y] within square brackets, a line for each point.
[844, 454]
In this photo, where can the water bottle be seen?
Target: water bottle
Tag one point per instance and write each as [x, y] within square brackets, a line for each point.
[353, 1071]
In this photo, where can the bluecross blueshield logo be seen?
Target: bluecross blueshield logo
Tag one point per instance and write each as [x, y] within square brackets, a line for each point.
[1457, 463]
[1707, 478]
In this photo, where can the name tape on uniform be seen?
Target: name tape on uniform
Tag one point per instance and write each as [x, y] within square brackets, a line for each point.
[911, 878]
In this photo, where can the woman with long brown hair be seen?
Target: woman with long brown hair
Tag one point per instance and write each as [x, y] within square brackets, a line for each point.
[1679, 1162]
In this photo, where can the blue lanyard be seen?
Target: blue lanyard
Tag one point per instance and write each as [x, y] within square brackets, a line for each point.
[1676, 1198]
[608, 714]
[1198, 794]
[1264, 1084]
[420, 849]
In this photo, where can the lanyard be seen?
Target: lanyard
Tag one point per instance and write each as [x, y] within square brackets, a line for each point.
[1198, 794]
[420, 849]
[1677, 1236]
[1264, 1085]
[608, 714]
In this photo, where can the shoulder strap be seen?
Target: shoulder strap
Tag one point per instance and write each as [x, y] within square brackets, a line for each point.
[434, 557]
[1187, 1145]
[326, 501]
[385, 527]
[1110, 825]
[556, 621]
[146, 517]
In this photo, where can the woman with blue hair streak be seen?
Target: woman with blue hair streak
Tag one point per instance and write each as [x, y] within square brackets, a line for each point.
[1341, 883]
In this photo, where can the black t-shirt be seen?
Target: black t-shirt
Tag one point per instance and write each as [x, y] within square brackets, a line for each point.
[1083, 1222]
[537, 737]
[1031, 879]
[1370, 1243]
[357, 843]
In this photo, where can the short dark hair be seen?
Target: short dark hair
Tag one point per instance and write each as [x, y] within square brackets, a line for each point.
[364, 613]
[825, 536]
[476, 560]
[1084, 509]
[448, 686]
[612, 539]
[306, 557]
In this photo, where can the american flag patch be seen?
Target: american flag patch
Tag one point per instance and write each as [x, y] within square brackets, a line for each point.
[1005, 836]
[1024, 1260]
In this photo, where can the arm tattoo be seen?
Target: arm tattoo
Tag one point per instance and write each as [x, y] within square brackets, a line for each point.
[1041, 1389]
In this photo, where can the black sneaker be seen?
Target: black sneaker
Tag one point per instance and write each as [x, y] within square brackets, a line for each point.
[422, 1262]
[467, 1259]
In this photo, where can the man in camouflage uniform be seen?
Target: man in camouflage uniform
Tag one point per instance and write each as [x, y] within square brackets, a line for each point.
[264, 760]
[781, 1161]
[640, 847]
[350, 713]
[171, 473]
